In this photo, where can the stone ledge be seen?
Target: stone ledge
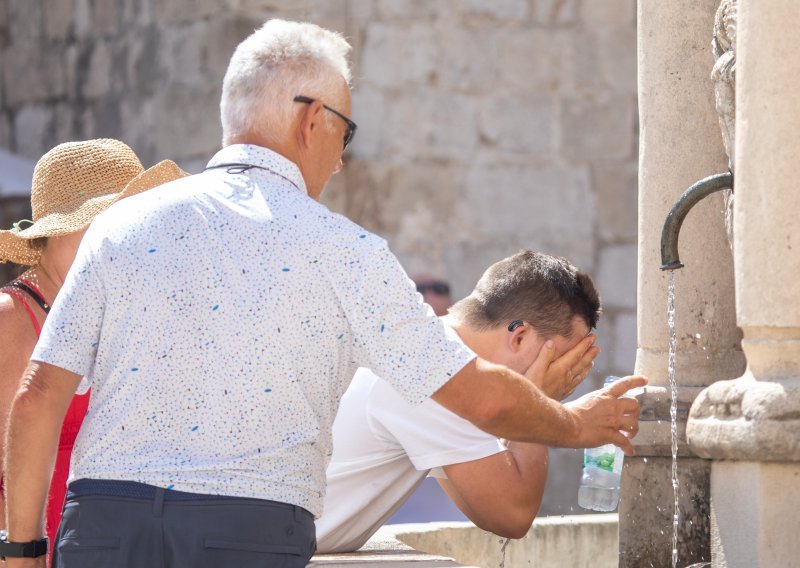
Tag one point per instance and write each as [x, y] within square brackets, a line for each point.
[385, 550]
[554, 542]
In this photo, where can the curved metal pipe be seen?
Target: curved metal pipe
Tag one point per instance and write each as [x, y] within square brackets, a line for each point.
[690, 198]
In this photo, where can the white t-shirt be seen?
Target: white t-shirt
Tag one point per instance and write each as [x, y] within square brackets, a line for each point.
[382, 450]
[220, 318]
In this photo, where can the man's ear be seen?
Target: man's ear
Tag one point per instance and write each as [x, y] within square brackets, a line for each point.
[517, 338]
[310, 120]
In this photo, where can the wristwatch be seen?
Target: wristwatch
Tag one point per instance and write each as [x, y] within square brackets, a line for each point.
[32, 549]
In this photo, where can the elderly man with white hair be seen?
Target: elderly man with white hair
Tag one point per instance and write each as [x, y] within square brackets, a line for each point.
[218, 319]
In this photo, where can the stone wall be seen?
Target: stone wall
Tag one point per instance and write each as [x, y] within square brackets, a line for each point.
[484, 126]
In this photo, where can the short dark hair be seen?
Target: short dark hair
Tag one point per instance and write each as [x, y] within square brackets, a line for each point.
[545, 291]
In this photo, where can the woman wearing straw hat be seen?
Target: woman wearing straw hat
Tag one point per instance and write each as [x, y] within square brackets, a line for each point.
[72, 184]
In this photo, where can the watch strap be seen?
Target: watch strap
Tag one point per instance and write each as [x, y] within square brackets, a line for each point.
[31, 549]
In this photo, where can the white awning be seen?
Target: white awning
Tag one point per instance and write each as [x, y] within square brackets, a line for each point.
[16, 174]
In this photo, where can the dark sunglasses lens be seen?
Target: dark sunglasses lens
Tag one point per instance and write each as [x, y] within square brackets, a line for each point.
[440, 288]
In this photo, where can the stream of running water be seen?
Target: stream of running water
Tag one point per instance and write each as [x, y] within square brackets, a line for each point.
[673, 410]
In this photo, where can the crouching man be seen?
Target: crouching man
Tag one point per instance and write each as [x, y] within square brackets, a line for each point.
[528, 309]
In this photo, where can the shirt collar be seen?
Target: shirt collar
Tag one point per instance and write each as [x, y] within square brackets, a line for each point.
[262, 158]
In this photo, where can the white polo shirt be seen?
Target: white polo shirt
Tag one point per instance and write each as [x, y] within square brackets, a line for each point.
[383, 449]
[218, 320]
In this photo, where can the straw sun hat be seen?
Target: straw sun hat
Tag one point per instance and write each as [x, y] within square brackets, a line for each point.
[72, 184]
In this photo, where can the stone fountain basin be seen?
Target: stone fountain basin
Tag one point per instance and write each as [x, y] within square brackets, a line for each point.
[577, 541]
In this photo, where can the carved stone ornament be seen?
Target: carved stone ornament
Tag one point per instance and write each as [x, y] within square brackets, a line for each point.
[724, 76]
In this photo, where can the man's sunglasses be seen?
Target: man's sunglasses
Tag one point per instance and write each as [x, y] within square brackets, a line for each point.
[351, 126]
[441, 288]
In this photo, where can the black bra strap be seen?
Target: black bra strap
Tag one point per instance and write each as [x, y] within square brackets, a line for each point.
[31, 292]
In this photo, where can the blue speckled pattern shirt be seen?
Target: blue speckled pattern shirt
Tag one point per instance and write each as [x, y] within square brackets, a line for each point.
[219, 319]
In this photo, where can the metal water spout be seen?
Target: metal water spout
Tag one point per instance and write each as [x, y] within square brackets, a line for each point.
[690, 198]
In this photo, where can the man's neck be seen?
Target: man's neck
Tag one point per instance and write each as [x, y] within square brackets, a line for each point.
[483, 343]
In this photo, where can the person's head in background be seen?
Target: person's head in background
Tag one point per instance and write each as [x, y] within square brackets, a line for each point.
[72, 184]
[521, 302]
[287, 88]
[435, 292]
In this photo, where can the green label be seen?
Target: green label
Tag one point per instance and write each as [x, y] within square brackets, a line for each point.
[603, 461]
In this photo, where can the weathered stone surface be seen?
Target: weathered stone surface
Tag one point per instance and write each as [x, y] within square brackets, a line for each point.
[646, 504]
[178, 11]
[368, 104]
[468, 59]
[136, 13]
[616, 184]
[608, 13]
[33, 130]
[536, 59]
[98, 79]
[616, 50]
[558, 12]
[530, 202]
[616, 277]
[432, 124]
[598, 130]
[105, 16]
[754, 513]
[408, 9]
[624, 342]
[170, 127]
[31, 74]
[5, 131]
[520, 124]
[398, 55]
[503, 10]
[58, 18]
[746, 419]
[83, 18]
[28, 24]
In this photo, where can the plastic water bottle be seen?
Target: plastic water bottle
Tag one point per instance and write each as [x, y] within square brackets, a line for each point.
[602, 469]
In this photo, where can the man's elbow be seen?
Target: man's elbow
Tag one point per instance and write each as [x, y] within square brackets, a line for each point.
[509, 527]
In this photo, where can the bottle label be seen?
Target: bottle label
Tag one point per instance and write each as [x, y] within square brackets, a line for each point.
[603, 461]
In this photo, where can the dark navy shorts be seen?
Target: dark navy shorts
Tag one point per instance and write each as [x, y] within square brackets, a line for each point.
[123, 524]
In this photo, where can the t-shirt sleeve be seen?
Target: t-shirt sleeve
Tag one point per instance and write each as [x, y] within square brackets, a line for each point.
[72, 330]
[395, 333]
[431, 435]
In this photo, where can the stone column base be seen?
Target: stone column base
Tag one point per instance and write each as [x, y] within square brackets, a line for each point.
[754, 519]
[646, 510]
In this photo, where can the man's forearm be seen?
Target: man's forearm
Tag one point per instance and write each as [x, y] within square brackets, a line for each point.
[507, 405]
[31, 446]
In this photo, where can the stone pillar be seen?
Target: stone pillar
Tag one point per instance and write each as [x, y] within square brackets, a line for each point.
[680, 143]
[754, 422]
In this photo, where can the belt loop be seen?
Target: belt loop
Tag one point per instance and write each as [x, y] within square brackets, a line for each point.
[158, 502]
[298, 517]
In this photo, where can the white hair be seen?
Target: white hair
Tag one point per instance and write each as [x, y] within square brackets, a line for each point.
[276, 63]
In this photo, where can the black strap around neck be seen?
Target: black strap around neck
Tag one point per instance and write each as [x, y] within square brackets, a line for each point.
[236, 168]
[31, 292]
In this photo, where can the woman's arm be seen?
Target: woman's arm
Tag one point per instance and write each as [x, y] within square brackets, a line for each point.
[17, 338]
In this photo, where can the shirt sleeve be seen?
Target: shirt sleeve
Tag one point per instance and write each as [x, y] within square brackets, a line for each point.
[431, 435]
[72, 330]
[395, 333]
